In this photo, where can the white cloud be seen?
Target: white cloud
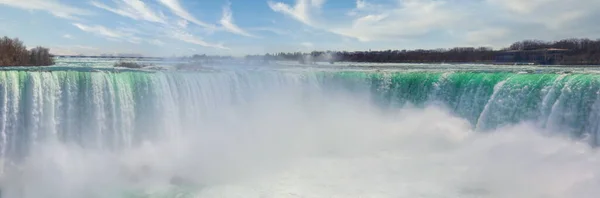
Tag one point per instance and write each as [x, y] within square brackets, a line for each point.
[227, 22]
[408, 18]
[362, 4]
[67, 36]
[73, 50]
[182, 23]
[134, 9]
[176, 8]
[54, 7]
[135, 36]
[85, 47]
[156, 42]
[99, 30]
[486, 22]
[272, 30]
[110, 34]
[301, 11]
[520, 6]
[189, 38]
[134, 39]
[307, 44]
[487, 36]
[90, 50]
[554, 14]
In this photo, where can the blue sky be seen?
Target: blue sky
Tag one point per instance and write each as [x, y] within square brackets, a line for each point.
[239, 27]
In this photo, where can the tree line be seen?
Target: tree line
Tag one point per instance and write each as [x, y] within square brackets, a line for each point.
[14, 53]
[579, 51]
[576, 51]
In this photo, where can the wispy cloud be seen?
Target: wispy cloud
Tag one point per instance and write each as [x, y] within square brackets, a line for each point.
[182, 23]
[365, 6]
[53, 7]
[74, 50]
[321, 23]
[405, 19]
[361, 4]
[189, 38]
[553, 14]
[135, 9]
[487, 36]
[307, 44]
[227, 22]
[371, 20]
[272, 30]
[301, 11]
[110, 34]
[99, 30]
[156, 42]
[176, 8]
[85, 47]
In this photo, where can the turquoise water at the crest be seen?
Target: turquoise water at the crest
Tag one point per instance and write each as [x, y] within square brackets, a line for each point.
[565, 102]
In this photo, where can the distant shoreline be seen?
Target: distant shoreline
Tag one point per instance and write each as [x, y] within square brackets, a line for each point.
[567, 52]
[147, 58]
[564, 52]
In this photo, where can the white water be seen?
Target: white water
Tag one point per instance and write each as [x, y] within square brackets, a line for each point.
[329, 146]
[284, 140]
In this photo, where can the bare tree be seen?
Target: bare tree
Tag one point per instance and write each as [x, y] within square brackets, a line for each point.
[14, 53]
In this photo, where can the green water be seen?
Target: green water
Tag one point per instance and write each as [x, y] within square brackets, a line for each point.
[565, 102]
[114, 110]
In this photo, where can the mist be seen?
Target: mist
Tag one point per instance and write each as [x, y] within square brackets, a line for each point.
[309, 143]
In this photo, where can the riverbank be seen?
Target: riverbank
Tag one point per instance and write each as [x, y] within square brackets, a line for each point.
[14, 53]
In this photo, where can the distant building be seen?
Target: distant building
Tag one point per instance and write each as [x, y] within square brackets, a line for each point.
[550, 56]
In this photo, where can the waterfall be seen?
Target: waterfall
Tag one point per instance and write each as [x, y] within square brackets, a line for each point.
[560, 102]
[74, 131]
[110, 110]
[113, 110]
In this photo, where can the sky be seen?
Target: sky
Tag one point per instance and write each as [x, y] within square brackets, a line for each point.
[240, 27]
